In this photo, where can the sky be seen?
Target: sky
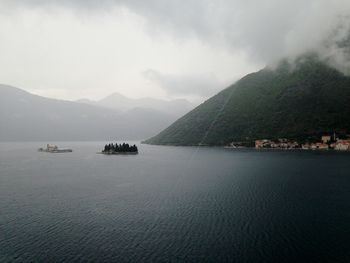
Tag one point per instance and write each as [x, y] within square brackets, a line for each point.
[72, 49]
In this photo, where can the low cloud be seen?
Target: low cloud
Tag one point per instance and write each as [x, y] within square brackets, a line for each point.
[266, 30]
[128, 37]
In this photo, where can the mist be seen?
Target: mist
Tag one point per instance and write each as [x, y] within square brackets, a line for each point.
[192, 50]
[266, 30]
[27, 117]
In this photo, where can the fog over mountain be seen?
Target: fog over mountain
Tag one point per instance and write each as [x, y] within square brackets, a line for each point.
[163, 49]
[28, 117]
[302, 101]
[159, 50]
[117, 101]
[268, 30]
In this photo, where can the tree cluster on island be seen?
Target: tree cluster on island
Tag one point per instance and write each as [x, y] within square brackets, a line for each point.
[121, 148]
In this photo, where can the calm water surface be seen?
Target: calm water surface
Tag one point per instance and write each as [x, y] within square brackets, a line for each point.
[173, 204]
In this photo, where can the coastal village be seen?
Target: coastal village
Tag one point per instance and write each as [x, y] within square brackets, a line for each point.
[326, 142]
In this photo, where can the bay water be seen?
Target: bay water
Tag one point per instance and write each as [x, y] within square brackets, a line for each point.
[173, 204]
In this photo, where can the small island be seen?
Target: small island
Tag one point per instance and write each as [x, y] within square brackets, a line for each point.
[54, 149]
[124, 148]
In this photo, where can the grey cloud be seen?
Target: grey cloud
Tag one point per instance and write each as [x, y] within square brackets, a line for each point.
[198, 85]
[265, 30]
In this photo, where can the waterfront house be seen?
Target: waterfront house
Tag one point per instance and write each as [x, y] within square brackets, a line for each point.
[342, 145]
[322, 146]
[326, 138]
[317, 146]
[305, 146]
[263, 144]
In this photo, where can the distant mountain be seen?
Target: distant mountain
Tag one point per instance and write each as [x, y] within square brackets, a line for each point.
[298, 100]
[27, 117]
[177, 108]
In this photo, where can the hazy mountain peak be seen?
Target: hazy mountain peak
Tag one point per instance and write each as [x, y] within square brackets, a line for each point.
[118, 101]
[24, 116]
[116, 95]
[8, 89]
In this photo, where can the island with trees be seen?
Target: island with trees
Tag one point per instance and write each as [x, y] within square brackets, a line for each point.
[124, 148]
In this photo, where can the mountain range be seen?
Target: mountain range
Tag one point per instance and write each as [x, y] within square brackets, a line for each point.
[299, 100]
[28, 117]
[117, 101]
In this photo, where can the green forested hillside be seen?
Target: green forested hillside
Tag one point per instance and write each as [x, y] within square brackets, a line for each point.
[296, 100]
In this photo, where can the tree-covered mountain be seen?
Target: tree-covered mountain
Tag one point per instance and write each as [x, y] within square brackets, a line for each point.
[294, 100]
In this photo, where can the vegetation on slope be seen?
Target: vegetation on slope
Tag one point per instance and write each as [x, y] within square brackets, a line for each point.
[298, 100]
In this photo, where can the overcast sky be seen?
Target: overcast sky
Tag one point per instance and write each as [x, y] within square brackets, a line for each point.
[73, 49]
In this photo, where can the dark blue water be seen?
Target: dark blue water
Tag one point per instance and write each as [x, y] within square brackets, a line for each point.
[173, 204]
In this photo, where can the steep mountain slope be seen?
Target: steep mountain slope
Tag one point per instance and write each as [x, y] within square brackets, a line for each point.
[117, 101]
[24, 116]
[293, 101]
